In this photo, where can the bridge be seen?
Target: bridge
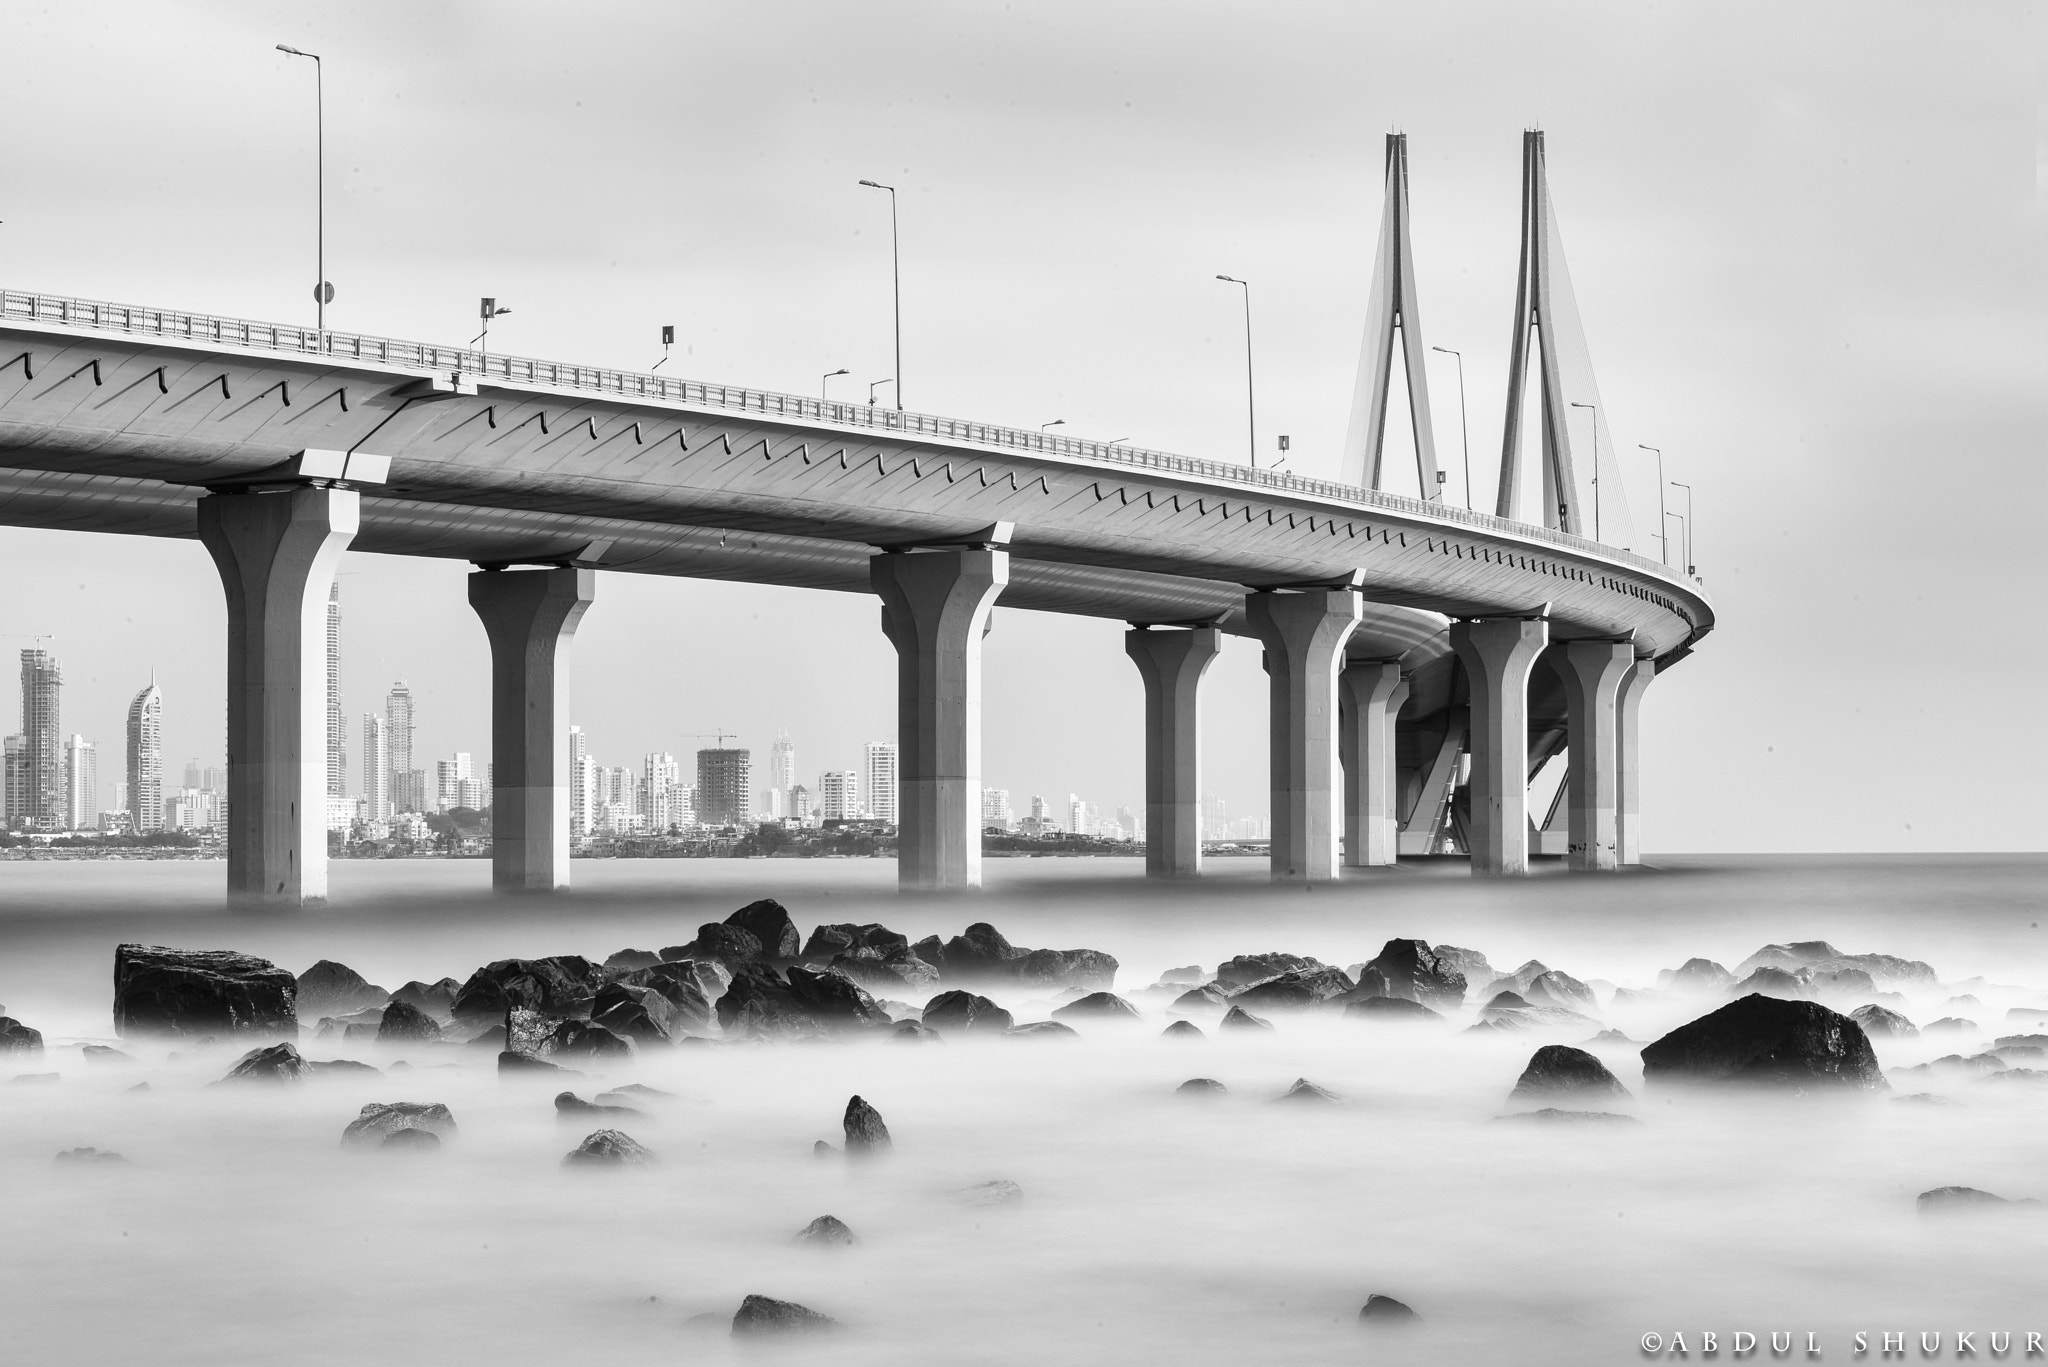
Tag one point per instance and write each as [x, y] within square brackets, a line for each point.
[1402, 636]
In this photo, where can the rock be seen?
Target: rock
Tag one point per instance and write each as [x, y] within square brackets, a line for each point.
[1084, 968]
[1552, 988]
[1304, 1091]
[406, 1023]
[2021, 1042]
[1789, 957]
[640, 1014]
[1551, 1115]
[1507, 1011]
[1098, 1006]
[885, 970]
[16, 1038]
[1234, 975]
[379, 1120]
[2010, 1053]
[526, 1031]
[1518, 981]
[865, 1132]
[719, 943]
[197, 992]
[1468, 963]
[1385, 1310]
[769, 923]
[332, 989]
[410, 1141]
[1201, 1086]
[1410, 969]
[1635, 996]
[1879, 1023]
[1950, 1025]
[560, 985]
[1558, 1072]
[914, 1032]
[90, 1156]
[1295, 990]
[569, 1106]
[1925, 1099]
[821, 1149]
[763, 1003]
[979, 951]
[1390, 1010]
[1237, 1018]
[965, 1013]
[338, 1068]
[437, 999]
[512, 1061]
[1697, 976]
[1884, 969]
[829, 942]
[827, 1231]
[1191, 974]
[1207, 997]
[1183, 1030]
[586, 1040]
[34, 1079]
[1056, 1030]
[1840, 982]
[609, 1149]
[1952, 1200]
[1773, 982]
[1614, 1037]
[94, 1053]
[272, 1063]
[761, 1317]
[629, 961]
[2027, 1017]
[1761, 1040]
[682, 983]
[996, 1193]
[633, 1091]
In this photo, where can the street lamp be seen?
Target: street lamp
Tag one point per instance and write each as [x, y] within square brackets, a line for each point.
[1684, 529]
[1663, 541]
[896, 282]
[1464, 435]
[1686, 522]
[877, 385]
[322, 291]
[668, 339]
[1056, 422]
[1596, 467]
[830, 375]
[487, 309]
[1250, 413]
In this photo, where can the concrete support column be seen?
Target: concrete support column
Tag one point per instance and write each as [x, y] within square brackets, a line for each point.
[1628, 795]
[935, 607]
[1369, 697]
[530, 617]
[1592, 673]
[1172, 663]
[1304, 635]
[1497, 655]
[276, 551]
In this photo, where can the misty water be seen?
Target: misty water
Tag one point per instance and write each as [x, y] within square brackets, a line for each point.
[1152, 1228]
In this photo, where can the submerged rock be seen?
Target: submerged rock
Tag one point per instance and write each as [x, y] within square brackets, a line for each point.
[405, 1023]
[437, 999]
[569, 1106]
[865, 1132]
[732, 946]
[885, 970]
[1237, 1018]
[1304, 1091]
[1098, 1006]
[1043, 1030]
[829, 942]
[1789, 957]
[90, 1156]
[1411, 970]
[914, 1032]
[1207, 997]
[586, 1040]
[1385, 1310]
[1878, 1023]
[410, 1141]
[510, 1061]
[1558, 1072]
[1760, 1040]
[763, 1003]
[1234, 975]
[609, 1149]
[688, 985]
[1295, 990]
[94, 1053]
[1468, 963]
[1183, 1030]
[1552, 1115]
[763, 1317]
[343, 1067]
[16, 1038]
[827, 1231]
[1951, 1200]
[332, 989]
[1390, 1009]
[1699, 976]
[1084, 968]
[1951, 1025]
[769, 924]
[272, 1063]
[1191, 974]
[559, 985]
[964, 1012]
[997, 1193]
[200, 992]
[1201, 1086]
[379, 1120]
[640, 1014]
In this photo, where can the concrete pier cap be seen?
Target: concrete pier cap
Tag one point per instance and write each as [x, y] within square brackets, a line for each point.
[1304, 629]
[1497, 654]
[1171, 659]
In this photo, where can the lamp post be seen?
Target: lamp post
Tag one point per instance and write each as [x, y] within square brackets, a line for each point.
[1250, 412]
[1464, 435]
[1683, 528]
[1056, 422]
[487, 309]
[1596, 467]
[1663, 541]
[322, 291]
[873, 387]
[1686, 522]
[896, 283]
[829, 376]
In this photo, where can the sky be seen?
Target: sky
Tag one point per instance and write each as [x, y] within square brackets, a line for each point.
[1806, 243]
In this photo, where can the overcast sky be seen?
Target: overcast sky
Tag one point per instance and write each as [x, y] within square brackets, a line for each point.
[1805, 239]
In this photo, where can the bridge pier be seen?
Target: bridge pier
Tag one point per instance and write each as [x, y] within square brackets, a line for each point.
[1172, 663]
[276, 550]
[1498, 654]
[935, 609]
[530, 617]
[1304, 634]
[1369, 697]
[1592, 674]
[1627, 749]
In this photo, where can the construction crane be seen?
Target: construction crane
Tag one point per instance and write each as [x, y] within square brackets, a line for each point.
[718, 736]
[38, 637]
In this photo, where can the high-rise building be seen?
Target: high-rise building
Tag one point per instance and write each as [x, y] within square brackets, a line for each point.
[581, 817]
[455, 784]
[724, 786]
[15, 761]
[146, 760]
[838, 795]
[799, 806]
[881, 780]
[682, 804]
[42, 754]
[781, 773]
[1077, 815]
[1215, 818]
[659, 775]
[337, 728]
[995, 808]
[81, 784]
[376, 768]
[406, 784]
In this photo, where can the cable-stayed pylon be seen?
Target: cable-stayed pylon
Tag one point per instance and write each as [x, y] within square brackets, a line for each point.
[1390, 307]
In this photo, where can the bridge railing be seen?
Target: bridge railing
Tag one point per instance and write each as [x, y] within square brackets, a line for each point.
[254, 335]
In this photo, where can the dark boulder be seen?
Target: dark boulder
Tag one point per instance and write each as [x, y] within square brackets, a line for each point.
[979, 951]
[1558, 1072]
[513, 1062]
[1885, 970]
[1183, 1030]
[608, 1149]
[527, 1031]
[94, 1053]
[1204, 998]
[1098, 1006]
[1304, 1092]
[769, 923]
[272, 1063]
[1507, 1011]
[569, 1106]
[332, 989]
[437, 999]
[201, 992]
[1840, 982]
[1201, 1086]
[933, 951]
[681, 982]
[1954, 1200]
[914, 1032]
[718, 943]
[1878, 1023]
[1469, 963]
[586, 1040]
[1246, 969]
[404, 1023]
[630, 960]
[865, 1132]
[1385, 1310]
[1295, 990]
[1051, 1030]
[1788, 957]
[1190, 975]
[561, 985]
[966, 1013]
[1390, 1010]
[834, 999]
[410, 1141]
[1696, 976]
[34, 1079]
[1552, 988]
[1084, 968]
[761, 1317]
[827, 1231]
[1237, 1018]
[381, 1119]
[640, 1014]
[1954, 1025]
[1411, 969]
[1761, 1040]
[16, 1038]
[889, 970]
[340, 1068]
[829, 942]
